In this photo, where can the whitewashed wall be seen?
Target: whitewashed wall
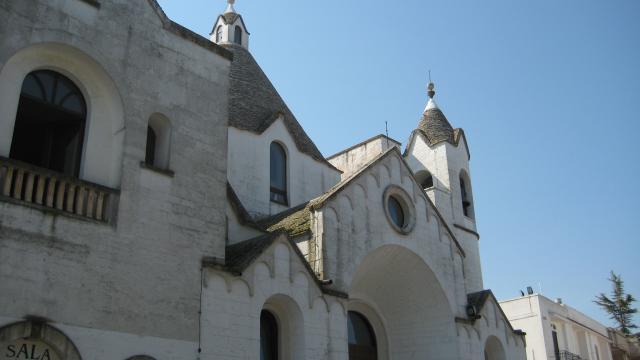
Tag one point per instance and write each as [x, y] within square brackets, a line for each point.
[577, 332]
[445, 162]
[138, 276]
[474, 336]
[312, 325]
[249, 175]
[354, 158]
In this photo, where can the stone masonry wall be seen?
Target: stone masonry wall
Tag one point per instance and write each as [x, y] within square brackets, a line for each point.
[140, 275]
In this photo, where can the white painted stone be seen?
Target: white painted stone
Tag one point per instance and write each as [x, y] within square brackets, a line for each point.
[577, 333]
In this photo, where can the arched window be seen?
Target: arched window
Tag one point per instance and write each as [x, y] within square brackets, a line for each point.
[268, 336]
[237, 35]
[465, 195]
[362, 339]
[425, 179]
[219, 34]
[278, 174]
[158, 142]
[50, 123]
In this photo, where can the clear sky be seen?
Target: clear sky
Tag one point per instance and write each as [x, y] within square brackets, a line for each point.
[548, 93]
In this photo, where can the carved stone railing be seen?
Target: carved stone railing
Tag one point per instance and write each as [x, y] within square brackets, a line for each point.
[51, 190]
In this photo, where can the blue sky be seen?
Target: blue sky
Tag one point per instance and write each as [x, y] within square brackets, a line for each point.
[547, 92]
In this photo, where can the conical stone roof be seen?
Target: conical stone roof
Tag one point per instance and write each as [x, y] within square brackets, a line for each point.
[435, 126]
[255, 104]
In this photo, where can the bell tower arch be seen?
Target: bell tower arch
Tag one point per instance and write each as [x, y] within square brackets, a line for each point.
[230, 28]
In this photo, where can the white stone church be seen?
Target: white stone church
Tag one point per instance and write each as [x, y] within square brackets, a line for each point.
[159, 200]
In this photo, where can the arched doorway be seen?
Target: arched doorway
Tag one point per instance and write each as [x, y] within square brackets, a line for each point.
[493, 349]
[268, 336]
[362, 339]
[415, 318]
[281, 329]
[50, 123]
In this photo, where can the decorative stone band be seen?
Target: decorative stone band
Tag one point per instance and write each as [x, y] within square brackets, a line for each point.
[52, 191]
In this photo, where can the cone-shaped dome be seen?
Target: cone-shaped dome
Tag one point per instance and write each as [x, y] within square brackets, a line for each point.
[433, 124]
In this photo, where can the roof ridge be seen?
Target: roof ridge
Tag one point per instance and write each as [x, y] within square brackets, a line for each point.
[362, 143]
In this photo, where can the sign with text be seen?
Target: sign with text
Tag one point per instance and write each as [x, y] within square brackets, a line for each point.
[27, 349]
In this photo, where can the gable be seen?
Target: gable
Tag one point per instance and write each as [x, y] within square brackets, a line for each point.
[319, 202]
[239, 257]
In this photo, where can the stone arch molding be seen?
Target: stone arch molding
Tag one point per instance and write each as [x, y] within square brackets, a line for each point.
[104, 134]
[38, 337]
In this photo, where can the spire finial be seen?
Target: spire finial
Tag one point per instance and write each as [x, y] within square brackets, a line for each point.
[230, 8]
[431, 87]
[432, 91]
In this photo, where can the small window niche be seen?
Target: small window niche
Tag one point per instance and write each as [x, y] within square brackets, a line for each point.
[278, 174]
[158, 146]
[237, 35]
[219, 34]
[425, 179]
[466, 195]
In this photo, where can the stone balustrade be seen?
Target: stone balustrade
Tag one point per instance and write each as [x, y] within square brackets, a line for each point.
[54, 191]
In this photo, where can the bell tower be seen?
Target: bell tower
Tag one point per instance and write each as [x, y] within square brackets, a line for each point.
[439, 156]
[230, 28]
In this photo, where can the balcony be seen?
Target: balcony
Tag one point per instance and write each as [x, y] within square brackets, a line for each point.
[566, 355]
[54, 192]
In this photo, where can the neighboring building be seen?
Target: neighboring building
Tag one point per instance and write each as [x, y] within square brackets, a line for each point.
[624, 347]
[557, 331]
[159, 200]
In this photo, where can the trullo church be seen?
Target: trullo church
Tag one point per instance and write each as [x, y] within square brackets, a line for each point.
[159, 200]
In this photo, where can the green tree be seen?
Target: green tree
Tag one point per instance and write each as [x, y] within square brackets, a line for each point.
[619, 305]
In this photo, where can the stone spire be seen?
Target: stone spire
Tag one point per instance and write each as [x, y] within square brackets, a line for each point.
[230, 28]
[433, 124]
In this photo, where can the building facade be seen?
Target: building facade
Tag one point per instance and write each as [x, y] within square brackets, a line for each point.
[159, 200]
[624, 347]
[557, 331]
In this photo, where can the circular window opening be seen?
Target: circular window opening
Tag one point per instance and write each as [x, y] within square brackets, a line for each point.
[395, 212]
[399, 209]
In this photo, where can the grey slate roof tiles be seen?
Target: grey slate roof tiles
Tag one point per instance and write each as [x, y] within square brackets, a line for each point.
[255, 104]
[435, 126]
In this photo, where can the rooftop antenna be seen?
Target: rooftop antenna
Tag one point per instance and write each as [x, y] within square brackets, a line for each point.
[386, 131]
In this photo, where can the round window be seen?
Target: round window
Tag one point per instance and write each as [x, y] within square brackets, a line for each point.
[399, 209]
[395, 211]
